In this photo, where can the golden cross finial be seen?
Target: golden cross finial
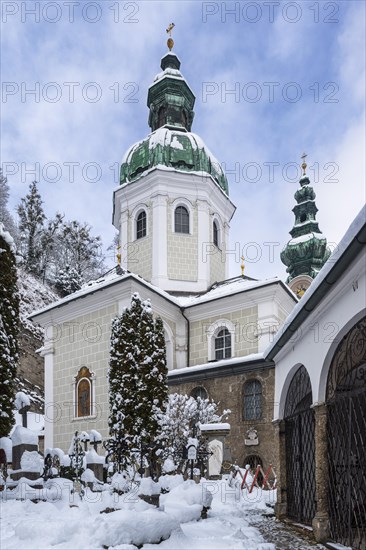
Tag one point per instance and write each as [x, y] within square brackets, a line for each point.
[304, 165]
[170, 41]
[118, 255]
[242, 267]
[170, 28]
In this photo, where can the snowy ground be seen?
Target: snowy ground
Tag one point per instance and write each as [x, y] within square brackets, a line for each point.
[66, 522]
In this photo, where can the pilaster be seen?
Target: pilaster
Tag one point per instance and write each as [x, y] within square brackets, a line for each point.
[281, 504]
[49, 406]
[159, 241]
[321, 518]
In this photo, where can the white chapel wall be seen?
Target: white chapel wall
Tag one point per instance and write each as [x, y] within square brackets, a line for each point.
[316, 340]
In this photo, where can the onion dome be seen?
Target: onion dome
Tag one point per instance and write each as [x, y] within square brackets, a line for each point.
[171, 143]
[177, 149]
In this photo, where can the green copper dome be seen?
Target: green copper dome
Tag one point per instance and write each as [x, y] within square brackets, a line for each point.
[171, 143]
[177, 149]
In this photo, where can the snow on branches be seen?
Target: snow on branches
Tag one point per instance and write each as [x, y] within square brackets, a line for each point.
[137, 377]
[182, 415]
[9, 319]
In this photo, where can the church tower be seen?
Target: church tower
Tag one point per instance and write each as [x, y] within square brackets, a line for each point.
[307, 251]
[172, 208]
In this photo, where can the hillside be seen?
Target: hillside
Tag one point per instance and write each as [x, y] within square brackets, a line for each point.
[30, 377]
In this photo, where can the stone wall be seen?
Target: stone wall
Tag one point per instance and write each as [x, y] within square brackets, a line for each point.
[244, 342]
[30, 370]
[228, 391]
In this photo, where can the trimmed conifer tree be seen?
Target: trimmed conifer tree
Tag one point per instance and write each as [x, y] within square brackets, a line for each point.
[9, 318]
[137, 378]
[158, 377]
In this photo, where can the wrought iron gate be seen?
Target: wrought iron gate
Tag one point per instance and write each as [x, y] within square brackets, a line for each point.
[346, 434]
[300, 449]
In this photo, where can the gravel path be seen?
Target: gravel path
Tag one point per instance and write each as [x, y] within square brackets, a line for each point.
[283, 535]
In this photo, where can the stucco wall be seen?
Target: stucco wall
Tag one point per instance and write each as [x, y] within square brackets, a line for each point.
[182, 250]
[139, 251]
[217, 258]
[84, 342]
[244, 321]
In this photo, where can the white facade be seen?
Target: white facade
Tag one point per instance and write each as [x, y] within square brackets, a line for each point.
[171, 261]
[78, 328]
[315, 341]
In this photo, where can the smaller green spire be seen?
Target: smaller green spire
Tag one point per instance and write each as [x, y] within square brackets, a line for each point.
[307, 251]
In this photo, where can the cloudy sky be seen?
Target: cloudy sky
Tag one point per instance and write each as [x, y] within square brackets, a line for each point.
[271, 79]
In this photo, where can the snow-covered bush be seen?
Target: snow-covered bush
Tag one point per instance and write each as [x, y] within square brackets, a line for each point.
[182, 415]
[21, 400]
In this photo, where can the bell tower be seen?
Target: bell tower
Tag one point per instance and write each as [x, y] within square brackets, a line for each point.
[172, 208]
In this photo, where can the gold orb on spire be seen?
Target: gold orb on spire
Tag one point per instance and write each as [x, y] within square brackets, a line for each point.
[170, 41]
[304, 165]
[242, 267]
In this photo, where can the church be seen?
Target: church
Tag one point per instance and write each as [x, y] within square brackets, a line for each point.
[248, 344]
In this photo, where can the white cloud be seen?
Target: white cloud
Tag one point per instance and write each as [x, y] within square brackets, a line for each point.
[225, 53]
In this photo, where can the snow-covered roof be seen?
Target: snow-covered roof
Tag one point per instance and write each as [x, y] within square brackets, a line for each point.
[354, 229]
[169, 72]
[165, 74]
[108, 279]
[305, 238]
[217, 364]
[225, 288]
[165, 136]
[214, 427]
[170, 53]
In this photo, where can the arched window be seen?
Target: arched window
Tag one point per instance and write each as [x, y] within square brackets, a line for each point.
[252, 400]
[200, 392]
[253, 461]
[181, 220]
[141, 225]
[215, 230]
[223, 344]
[83, 393]
[221, 340]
